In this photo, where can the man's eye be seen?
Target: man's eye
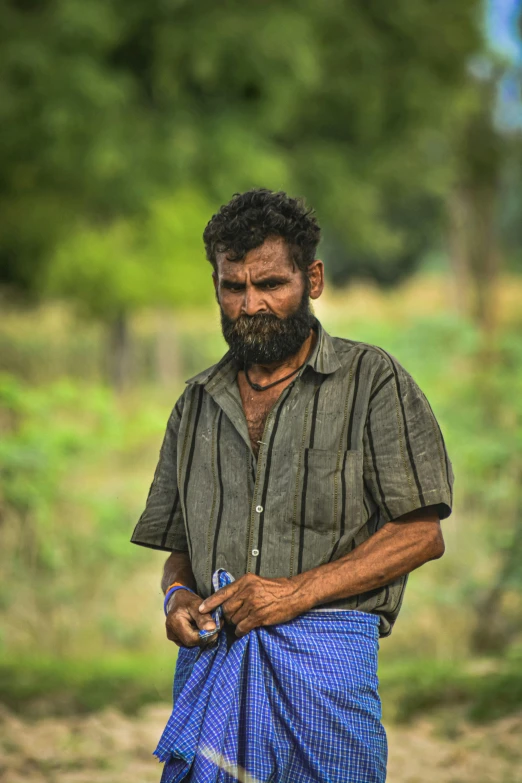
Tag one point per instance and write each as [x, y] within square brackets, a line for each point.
[270, 286]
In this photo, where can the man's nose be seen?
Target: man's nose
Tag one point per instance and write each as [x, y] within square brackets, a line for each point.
[253, 302]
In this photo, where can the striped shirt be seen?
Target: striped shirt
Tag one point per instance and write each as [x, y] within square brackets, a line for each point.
[350, 444]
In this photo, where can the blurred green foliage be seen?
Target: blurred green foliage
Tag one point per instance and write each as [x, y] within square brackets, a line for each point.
[111, 112]
[60, 686]
[126, 265]
[419, 686]
[56, 532]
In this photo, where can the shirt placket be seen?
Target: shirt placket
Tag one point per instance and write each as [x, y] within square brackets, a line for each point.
[226, 395]
[257, 509]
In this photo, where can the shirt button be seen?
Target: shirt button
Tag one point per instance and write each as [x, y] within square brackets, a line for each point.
[259, 509]
[255, 552]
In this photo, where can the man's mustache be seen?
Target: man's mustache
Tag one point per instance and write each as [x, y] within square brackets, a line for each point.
[251, 321]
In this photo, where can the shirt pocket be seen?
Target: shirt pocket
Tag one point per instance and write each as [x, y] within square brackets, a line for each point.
[330, 509]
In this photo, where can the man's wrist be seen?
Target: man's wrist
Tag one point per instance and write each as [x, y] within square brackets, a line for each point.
[186, 597]
[307, 585]
[314, 586]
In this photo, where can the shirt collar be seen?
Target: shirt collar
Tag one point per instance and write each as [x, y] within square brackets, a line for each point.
[323, 359]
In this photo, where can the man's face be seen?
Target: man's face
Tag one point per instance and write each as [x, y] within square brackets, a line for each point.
[265, 302]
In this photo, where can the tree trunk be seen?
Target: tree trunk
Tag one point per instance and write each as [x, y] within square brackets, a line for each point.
[474, 240]
[494, 631]
[458, 251]
[119, 352]
[474, 254]
[484, 256]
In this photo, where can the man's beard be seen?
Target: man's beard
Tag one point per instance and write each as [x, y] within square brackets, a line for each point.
[265, 338]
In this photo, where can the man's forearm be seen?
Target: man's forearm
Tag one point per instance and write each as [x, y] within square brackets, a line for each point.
[398, 548]
[177, 568]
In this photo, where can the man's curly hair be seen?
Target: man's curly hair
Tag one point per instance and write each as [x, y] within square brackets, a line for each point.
[249, 218]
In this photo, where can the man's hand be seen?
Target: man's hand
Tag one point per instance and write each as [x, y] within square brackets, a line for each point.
[253, 601]
[184, 620]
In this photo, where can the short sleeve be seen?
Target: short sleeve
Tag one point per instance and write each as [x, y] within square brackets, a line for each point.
[406, 464]
[161, 525]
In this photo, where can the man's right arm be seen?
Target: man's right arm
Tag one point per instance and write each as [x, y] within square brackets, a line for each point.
[161, 526]
[177, 568]
[184, 620]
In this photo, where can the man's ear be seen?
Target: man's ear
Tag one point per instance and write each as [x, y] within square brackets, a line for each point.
[215, 282]
[315, 274]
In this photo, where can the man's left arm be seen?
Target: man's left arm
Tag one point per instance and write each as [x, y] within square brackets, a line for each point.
[398, 548]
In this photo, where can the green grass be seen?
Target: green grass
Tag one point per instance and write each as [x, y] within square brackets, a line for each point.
[55, 686]
[417, 687]
[62, 687]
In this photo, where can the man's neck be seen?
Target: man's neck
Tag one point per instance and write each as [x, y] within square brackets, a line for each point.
[268, 373]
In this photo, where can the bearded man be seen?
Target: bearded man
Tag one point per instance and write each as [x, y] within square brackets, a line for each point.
[310, 472]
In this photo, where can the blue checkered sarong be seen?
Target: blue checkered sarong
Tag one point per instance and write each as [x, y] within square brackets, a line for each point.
[289, 703]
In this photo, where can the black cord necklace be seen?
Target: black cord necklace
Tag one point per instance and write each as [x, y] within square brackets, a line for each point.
[257, 387]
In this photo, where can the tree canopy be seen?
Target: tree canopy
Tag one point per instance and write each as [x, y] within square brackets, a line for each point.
[109, 109]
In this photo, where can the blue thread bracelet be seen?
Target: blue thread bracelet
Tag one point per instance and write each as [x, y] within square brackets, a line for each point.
[173, 590]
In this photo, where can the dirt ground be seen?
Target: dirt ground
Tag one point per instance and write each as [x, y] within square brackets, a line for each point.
[109, 747]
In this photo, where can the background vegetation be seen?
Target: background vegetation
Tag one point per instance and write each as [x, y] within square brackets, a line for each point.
[124, 127]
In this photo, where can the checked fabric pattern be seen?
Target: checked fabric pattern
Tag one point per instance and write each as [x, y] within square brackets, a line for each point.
[289, 703]
[220, 578]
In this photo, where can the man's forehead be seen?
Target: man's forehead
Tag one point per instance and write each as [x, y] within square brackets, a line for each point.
[273, 255]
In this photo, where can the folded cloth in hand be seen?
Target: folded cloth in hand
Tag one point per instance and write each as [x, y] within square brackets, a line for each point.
[290, 703]
[220, 578]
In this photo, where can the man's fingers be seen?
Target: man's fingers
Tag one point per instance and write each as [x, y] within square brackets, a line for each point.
[182, 635]
[215, 600]
[236, 615]
[243, 628]
[232, 607]
[204, 621]
[182, 629]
